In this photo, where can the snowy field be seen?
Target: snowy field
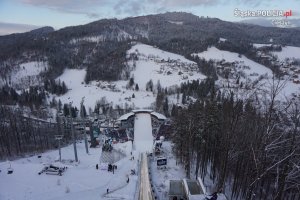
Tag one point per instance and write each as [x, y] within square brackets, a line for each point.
[74, 80]
[82, 179]
[288, 52]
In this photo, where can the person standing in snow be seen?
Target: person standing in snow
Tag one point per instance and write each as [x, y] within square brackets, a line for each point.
[107, 191]
[214, 196]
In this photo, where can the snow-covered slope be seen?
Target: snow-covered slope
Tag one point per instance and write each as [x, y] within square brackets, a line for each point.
[288, 52]
[26, 74]
[158, 65]
[96, 90]
[152, 63]
[255, 72]
[219, 55]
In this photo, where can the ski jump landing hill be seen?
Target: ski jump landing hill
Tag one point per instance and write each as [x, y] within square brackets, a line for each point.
[143, 139]
[143, 144]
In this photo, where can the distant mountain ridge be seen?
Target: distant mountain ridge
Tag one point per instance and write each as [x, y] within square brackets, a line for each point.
[192, 27]
[101, 46]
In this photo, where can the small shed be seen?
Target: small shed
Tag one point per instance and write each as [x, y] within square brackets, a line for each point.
[176, 190]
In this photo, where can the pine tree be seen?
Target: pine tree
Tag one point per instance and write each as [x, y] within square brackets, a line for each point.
[74, 112]
[183, 101]
[174, 111]
[137, 87]
[158, 86]
[64, 88]
[166, 107]
[59, 105]
[66, 110]
[131, 82]
[83, 111]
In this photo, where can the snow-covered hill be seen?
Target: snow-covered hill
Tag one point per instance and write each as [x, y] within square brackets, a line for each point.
[288, 52]
[241, 62]
[168, 68]
[151, 64]
[253, 74]
[25, 74]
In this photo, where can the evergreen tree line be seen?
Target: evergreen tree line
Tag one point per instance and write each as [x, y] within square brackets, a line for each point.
[205, 67]
[58, 88]
[108, 61]
[197, 88]
[34, 97]
[252, 151]
[20, 135]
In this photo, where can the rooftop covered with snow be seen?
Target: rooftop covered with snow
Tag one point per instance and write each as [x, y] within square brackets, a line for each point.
[135, 112]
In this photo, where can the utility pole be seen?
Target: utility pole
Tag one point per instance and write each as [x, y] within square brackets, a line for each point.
[73, 133]
[59, 138]
[84, 131]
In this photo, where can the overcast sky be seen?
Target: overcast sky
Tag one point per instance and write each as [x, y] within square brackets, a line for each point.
[60, 13]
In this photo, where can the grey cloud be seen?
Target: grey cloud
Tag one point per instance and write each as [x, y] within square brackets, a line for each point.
[136, 7]
[254, 3]
[132, 7]
[9, 28]
[85, 7]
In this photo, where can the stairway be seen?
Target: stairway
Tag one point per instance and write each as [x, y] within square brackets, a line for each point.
[112, 156]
